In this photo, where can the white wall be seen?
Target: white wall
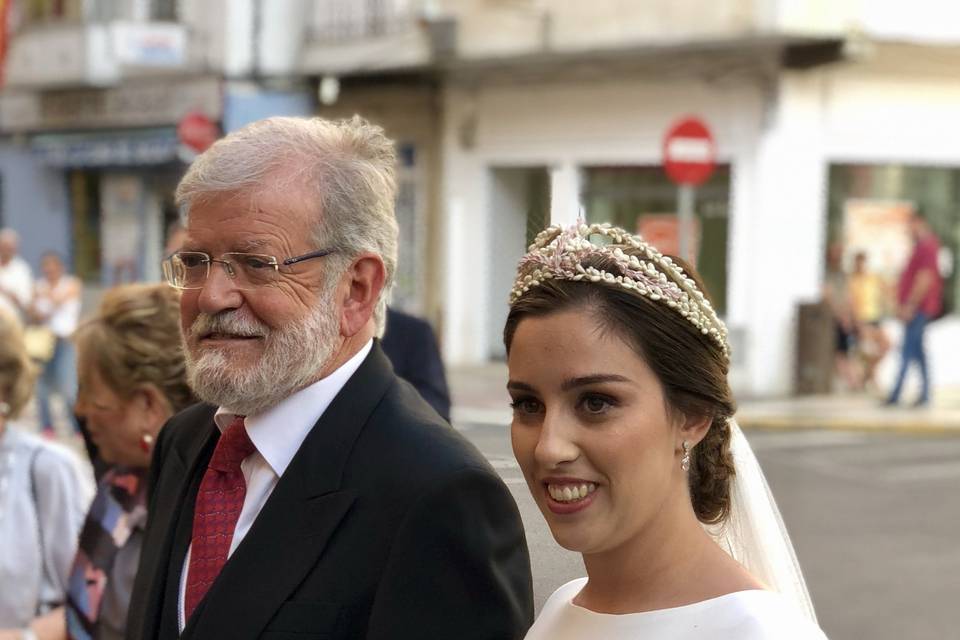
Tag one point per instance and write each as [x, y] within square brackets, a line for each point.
[564, 127]
[778, 232]
[891, 117]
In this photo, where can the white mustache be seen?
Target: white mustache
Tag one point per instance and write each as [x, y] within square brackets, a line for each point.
[227, 322]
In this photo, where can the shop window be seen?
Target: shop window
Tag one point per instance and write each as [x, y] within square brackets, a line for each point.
[408, 279]
[868, 206]
[519, 201]
[642, 199]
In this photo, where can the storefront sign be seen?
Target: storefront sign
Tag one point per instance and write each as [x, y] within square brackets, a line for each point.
[140, 104]
[149, 44]
[127, 149]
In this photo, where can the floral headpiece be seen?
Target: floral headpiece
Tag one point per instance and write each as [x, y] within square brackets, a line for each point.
[560, 254]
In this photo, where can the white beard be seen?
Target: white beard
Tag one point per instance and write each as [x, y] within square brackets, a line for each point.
[292, 359]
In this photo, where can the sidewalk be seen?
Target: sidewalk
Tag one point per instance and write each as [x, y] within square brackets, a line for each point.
[480, 397]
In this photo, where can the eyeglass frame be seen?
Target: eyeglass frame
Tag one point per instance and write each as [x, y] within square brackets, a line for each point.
[231, 272]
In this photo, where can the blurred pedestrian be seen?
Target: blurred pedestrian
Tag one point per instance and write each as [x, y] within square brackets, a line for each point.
[56, 306]
[919, 300]
[42, 497]
[133, 380]
[411, 345]
[16, 282]
[836, 295]
[868, 298]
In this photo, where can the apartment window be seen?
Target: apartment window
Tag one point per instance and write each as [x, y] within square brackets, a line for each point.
[52, 10]
[134, 10]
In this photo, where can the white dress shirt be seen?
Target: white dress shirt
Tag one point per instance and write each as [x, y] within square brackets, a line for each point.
[277, 434]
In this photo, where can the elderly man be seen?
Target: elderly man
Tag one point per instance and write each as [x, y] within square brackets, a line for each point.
[314, 494]
[16, 283]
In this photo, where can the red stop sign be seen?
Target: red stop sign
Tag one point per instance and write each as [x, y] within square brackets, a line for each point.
[197, 131]
[689, 153]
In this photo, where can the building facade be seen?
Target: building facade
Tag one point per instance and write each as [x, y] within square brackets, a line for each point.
[832, 121]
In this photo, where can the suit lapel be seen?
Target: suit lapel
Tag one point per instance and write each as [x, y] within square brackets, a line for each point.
[183, 467]
[304, 510]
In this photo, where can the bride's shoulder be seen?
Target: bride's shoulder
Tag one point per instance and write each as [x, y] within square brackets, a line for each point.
[565, 594]
[762, 615]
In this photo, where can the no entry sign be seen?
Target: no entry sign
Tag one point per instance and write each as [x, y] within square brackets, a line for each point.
[197, 131]
[689, 153]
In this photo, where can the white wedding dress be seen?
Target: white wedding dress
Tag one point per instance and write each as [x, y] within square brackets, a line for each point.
[745, 615]
[754, 535]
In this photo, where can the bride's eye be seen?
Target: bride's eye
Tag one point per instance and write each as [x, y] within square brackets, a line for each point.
[596, 404]
[525, 405]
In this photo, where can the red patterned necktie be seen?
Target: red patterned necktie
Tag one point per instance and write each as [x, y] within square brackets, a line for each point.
[216, 511]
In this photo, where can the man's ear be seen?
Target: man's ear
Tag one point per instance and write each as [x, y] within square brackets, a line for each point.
[361, 286]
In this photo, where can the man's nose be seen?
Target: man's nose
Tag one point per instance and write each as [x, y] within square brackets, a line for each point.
[220, 291]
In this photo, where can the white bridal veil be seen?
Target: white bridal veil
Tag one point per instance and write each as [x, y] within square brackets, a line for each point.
[754, 533]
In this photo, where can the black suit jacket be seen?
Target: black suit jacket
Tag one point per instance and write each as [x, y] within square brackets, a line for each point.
[410, 344]
[386, 524]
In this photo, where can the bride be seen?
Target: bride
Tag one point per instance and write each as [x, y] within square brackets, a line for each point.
[623, 427]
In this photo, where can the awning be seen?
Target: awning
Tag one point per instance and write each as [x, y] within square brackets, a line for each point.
[124, 148]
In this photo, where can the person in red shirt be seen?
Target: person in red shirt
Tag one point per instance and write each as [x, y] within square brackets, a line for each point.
[919, 299]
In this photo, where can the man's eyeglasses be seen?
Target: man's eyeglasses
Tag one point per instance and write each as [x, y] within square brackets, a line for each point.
[190, 269]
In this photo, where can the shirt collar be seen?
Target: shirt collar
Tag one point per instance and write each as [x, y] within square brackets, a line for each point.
[278, 432]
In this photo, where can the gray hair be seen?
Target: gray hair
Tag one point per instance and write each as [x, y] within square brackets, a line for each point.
[348, 166]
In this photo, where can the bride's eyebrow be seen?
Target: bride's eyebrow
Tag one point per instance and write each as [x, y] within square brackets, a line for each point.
[516, 385]
[596, 378]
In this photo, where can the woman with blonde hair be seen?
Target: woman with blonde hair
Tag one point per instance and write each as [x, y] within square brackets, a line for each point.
[132, 379]
[42, 496]
[623, 427]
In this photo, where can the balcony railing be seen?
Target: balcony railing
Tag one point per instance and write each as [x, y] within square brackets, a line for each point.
[342, 20]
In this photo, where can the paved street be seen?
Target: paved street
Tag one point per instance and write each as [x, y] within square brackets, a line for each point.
[874, 519]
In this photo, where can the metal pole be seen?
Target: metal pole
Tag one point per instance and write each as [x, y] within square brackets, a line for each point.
[685, 201]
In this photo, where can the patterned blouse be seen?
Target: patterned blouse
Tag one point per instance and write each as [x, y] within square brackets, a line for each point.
[98, 591]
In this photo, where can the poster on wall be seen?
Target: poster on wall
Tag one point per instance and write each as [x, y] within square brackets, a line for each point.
[662, 230]
[880, 229]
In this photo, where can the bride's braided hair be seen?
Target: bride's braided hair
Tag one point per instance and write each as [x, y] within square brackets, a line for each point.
[691, 364]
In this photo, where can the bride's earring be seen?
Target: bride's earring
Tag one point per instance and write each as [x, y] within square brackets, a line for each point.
[685, 461]
[146, 443]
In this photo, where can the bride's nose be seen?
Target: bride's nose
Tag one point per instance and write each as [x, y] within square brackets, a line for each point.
[557, 443]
